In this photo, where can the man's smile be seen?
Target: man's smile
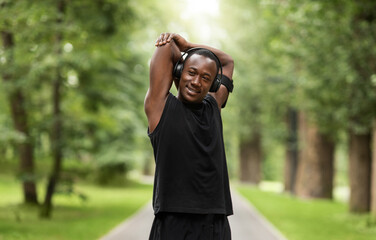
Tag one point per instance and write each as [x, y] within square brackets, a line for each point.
[193, 90]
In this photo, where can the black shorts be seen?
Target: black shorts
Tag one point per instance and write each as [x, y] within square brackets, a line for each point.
[186, 226]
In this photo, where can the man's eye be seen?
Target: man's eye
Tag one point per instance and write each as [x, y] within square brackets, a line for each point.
[191, 73]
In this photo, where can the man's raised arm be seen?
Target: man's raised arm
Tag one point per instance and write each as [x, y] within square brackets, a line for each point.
[161, 79]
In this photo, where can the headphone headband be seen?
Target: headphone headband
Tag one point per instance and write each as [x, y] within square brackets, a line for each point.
[178, 68]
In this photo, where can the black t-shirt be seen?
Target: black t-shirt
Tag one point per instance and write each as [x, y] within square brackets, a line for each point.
[191, 171]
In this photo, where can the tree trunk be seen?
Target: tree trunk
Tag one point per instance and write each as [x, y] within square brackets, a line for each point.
[363, 62]
[56, 138]
[250, 160]
[20, 118]
[315, 170]
[360, 172]
[291, 160]
[373, 184]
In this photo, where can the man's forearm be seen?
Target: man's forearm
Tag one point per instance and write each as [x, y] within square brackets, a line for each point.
[183, 45]
[223, 57]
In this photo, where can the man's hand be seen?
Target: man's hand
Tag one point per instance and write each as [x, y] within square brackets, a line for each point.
[180, 42]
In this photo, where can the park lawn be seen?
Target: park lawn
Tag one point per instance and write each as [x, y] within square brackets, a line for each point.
[72, 218]
[310, 219]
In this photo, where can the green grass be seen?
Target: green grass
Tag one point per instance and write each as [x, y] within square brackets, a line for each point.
[72, 218]
[310, 219]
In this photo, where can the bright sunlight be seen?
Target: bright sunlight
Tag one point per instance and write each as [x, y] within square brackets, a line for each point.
[200, 14]
[200, 9]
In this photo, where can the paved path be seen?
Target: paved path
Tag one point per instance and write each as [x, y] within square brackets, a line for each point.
[246, 224]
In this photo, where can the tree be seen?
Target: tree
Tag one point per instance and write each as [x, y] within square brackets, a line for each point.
[19, 114]
[250, 160]
[315, 169]
[292, 152]
[56, 131]
[336, 86]
[88, 60]
[256, 101]
[363, 100]
[102, 92]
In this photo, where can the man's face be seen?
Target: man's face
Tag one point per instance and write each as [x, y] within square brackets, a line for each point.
[197, 77]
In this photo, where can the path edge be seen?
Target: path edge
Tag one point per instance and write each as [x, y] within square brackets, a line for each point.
[128, 221]
[263, 220]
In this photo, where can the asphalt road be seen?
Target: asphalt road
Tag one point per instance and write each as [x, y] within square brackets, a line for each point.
[246, 224]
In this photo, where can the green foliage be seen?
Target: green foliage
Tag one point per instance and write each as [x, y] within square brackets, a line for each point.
[104, 78]
[264, 86]
[312, 56]
[334, 47]
[310, 219]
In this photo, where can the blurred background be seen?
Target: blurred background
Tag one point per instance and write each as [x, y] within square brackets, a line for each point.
[300, 126]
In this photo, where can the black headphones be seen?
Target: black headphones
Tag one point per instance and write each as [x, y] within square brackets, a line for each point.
[178, 69]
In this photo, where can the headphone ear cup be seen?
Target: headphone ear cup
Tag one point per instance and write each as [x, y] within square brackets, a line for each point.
[215, 85]
[178, 69]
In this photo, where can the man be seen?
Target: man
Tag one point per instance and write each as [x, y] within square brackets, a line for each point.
[191, 197]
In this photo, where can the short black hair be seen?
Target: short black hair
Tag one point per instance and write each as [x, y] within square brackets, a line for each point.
[206, 53]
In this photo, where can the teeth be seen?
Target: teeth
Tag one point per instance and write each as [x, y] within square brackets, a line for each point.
[192, 90]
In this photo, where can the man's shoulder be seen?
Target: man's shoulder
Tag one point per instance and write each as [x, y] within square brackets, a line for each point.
[210, 99]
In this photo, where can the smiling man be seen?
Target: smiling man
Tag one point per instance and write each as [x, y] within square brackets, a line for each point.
[191, 197]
